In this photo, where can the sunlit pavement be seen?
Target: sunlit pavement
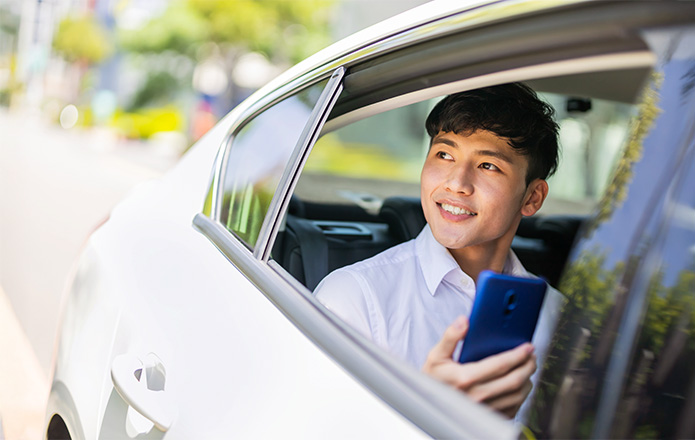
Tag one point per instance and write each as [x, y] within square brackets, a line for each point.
[23, 383]
[56, 185]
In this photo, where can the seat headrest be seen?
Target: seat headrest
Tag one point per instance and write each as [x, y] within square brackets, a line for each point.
[404, 216]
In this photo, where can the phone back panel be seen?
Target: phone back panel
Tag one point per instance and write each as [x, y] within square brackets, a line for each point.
[504, 314]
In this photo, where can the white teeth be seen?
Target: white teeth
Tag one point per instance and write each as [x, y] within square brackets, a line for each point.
[456, 210]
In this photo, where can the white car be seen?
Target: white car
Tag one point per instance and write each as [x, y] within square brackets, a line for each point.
[191, 315]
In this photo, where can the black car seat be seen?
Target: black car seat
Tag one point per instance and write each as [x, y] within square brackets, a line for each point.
[317, 240]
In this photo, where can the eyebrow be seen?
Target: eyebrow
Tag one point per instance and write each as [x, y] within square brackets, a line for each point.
[491, 153]
[496, 154]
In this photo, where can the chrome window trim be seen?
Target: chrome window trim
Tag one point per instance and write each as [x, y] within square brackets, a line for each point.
[219, 176]
[420, 24]
[435, 408]
[288, 181]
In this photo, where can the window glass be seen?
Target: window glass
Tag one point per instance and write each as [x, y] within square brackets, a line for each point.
[353, 168]
[621, 362]
[258, 156]
[659, 398]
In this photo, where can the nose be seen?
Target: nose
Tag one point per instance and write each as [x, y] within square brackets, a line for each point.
[460, 180]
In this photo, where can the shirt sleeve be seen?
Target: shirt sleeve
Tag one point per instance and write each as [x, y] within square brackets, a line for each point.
[343, 294]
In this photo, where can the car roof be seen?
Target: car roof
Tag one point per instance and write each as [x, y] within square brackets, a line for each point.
[432, 20]
[528, 32]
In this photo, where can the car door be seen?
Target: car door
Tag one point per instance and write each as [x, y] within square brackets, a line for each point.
[198, 351]
[409, 74]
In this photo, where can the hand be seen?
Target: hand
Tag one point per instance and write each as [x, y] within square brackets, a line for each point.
[501, 381]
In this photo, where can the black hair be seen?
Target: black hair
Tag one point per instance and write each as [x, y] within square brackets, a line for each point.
[510, 111]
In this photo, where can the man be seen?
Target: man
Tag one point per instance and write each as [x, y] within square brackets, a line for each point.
[491, 151]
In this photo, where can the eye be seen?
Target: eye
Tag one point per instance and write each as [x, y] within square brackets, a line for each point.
[489, 166]
[444, 155]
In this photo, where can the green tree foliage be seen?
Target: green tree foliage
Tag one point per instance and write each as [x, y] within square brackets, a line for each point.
[668, 308]
[282, 30]
[181, 28]
[590, 289]
[616, 191]
[82, 39]
[158, 87]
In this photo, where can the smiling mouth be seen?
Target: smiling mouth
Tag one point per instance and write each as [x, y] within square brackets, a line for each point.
[455, 210]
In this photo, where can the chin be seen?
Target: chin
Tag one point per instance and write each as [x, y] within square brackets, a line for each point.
[451, 241]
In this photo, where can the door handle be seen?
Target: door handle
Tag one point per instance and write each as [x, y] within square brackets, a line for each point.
[140, 383]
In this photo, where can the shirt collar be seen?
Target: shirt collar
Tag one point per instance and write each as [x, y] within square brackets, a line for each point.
[514, 267]
[436, 262]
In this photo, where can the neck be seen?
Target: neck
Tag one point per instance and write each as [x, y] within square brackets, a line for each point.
[477, 258]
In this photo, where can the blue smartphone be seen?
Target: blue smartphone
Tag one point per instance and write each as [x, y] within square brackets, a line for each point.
[504, 315]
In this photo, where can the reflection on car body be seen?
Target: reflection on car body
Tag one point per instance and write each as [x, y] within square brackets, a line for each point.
[238, 346]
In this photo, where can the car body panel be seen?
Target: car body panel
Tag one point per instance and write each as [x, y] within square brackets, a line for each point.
[126, 299]
[245, 350]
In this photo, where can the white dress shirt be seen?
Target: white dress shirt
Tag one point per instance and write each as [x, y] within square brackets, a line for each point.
[405, 297]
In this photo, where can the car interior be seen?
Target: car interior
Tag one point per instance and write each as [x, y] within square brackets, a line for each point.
[332, 222]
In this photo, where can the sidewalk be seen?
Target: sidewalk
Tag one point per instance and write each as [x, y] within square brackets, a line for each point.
[23, 384]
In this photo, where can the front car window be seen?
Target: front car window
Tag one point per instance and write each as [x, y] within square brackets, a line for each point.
[258, 155]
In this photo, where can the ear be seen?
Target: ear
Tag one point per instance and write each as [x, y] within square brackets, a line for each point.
[536, 193]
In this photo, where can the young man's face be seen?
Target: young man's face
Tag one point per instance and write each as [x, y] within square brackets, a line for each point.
[474, 192]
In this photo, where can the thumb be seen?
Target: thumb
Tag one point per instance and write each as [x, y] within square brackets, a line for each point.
[444, 349]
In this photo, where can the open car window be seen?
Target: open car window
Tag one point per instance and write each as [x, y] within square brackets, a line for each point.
[382, 156]
[358, 193]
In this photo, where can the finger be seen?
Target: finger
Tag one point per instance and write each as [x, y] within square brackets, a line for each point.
[452, 373]
[444, 349]
[498, 365]
[513, 381]
[470, 378]
[509, 404]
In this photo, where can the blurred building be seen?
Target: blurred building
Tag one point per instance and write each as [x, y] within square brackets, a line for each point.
[49, 83]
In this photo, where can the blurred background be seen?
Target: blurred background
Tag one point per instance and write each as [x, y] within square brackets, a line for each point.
[98, 96]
